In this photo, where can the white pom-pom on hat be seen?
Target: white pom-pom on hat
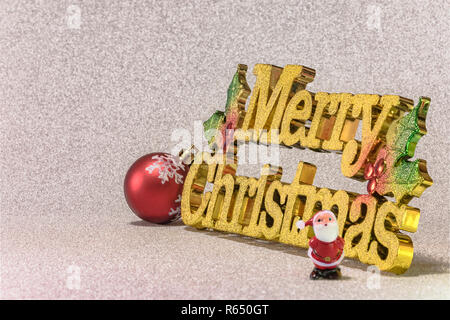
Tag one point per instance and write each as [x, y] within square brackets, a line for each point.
[300, 224]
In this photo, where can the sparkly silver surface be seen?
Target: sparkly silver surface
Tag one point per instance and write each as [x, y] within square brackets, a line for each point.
[87, 87]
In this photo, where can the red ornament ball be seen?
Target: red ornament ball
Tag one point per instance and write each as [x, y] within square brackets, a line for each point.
[153, 187]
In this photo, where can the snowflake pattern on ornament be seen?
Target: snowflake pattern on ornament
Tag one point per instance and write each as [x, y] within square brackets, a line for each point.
[176, 213]
[168, 167]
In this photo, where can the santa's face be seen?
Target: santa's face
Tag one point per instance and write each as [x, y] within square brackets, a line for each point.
[326, 227]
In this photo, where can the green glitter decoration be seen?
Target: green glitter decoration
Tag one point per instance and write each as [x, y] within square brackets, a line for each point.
[237, 91]
[213, 124]
[233, 90]
[407, 131]
[404, 178]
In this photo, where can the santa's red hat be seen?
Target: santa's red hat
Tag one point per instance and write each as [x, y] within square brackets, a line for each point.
[302, 224]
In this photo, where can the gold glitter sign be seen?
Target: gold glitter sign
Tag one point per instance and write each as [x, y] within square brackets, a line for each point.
[282, 111]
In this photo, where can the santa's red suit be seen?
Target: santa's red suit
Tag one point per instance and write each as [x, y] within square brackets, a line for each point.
[326, 255]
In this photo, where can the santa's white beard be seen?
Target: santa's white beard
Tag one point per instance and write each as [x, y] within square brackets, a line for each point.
[327, 233]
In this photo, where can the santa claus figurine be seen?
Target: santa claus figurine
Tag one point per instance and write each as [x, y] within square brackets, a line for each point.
[326, 248]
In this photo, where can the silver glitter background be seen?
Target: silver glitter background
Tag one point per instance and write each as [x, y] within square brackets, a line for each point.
[81, 99]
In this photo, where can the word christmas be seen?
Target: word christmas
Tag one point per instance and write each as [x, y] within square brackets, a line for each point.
[269, 209]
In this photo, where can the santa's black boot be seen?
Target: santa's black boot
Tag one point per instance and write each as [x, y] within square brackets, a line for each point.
[316, 274]
[333, 274]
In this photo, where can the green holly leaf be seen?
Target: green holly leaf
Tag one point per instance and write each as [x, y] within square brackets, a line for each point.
[212, 126]
[407, 131]
[237, 93]
[233, 91]
[403, 178]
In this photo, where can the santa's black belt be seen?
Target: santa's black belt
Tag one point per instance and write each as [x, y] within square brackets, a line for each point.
[327, 259]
